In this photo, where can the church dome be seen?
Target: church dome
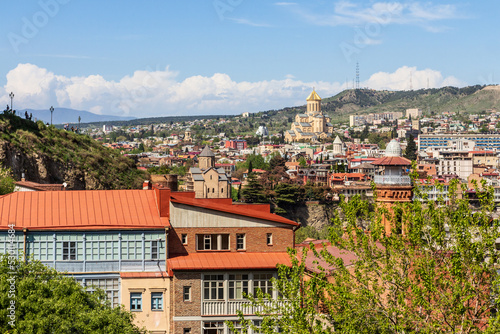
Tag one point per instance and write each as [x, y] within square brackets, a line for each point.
[393, 149]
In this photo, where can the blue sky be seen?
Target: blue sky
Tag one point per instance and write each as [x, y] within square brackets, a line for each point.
[155, 58]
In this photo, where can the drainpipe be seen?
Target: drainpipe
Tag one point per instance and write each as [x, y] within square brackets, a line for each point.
[24, 244]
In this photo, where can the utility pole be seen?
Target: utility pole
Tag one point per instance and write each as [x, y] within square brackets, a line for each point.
[11, 95]
[51, 112]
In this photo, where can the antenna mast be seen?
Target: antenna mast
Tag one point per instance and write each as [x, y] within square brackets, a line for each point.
[357, 75]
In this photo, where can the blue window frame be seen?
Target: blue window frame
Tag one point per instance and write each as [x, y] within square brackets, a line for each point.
[136, 301]
[157, 301]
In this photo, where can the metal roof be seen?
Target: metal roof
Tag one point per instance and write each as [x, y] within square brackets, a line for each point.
[81, 209]
[228, 261]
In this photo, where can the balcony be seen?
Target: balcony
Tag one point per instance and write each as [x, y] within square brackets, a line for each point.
[230, 307]
[403, 180]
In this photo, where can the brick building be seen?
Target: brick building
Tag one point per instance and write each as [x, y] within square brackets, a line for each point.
[179, 263]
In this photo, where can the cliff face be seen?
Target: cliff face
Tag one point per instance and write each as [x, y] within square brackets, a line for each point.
[48, 155]
[312, 214]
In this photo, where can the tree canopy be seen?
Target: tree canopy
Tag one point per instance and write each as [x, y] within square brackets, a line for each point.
[48, 302]
[438, 276]
[7, 183]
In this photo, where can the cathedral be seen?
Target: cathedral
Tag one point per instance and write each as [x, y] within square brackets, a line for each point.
[311, 126]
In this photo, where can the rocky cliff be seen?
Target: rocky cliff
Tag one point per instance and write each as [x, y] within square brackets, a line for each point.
[48, 155]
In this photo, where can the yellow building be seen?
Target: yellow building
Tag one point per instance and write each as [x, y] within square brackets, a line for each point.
[311, 126]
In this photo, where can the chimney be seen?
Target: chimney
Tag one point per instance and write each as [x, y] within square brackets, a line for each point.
[146, 185]
[22, 177]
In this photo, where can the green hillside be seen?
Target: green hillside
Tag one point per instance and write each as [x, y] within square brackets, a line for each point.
[49, 155]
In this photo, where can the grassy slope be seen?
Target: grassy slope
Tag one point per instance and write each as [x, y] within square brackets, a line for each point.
[104, 168]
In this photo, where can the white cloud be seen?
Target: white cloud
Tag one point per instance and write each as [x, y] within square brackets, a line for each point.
[249, 23]
[160, 93]
[403, 76]
[383, 13]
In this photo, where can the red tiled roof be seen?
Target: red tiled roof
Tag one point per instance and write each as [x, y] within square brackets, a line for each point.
[392, 161]
[228, 261]
[249, 210]
[81, 209]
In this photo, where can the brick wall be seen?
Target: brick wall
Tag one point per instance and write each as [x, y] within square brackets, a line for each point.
[256, 238]
[180, 325]
[193, 307]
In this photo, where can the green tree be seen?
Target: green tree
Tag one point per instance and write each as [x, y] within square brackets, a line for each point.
[48, 302]
[7, 183]
[286, 196]
[253, 192]
[411, 149]
[439, 276]
[302, 162]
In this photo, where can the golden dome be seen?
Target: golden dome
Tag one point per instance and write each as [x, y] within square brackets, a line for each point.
[313, 96]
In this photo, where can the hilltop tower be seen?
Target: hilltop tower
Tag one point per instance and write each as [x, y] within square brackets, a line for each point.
[393, 185]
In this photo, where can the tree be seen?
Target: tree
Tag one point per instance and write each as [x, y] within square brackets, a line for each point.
[411, 149]
[7, 183]
[286, 197]
[253, 192]
[48, 302]
[302, 162]
[438, 276]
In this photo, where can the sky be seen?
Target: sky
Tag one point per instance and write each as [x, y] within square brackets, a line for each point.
[197, 57]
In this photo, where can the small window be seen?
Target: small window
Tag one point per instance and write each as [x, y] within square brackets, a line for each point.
[154, 249]
[69, 250]
[222, 189]
[240, 241]
[187, 331]
[186, 294]
[157, 301]
[136, 301]
[269, 238]
[184, 239]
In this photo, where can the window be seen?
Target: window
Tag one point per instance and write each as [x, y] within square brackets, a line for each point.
[69, 250]
[157, 301]
[213, 287]
[213, 327]
[186, 293]
[212, 241]
[222, 189]
[154, 249]
[263, 283]
[240, 241]
[184, 239]
[187, 331]
[238, 328]
[238, 286]
[135, 301]
[269, 238]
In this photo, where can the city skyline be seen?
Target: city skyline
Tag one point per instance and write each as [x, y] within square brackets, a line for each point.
[233, 56]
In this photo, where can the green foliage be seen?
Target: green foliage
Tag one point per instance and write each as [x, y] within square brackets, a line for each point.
[411, 149]
[159, 170]
[256, 161]
[7, 183]
[48, 302]
[438, 276]
[286, 197]
[102, 167]
[253, 192]
[302, 162]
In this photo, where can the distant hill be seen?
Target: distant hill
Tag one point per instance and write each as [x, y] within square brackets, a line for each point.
[66, 115]
[50, 155]
[468, 100]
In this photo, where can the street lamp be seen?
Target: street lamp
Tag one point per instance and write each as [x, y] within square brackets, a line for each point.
[11, 95]
[51, 112]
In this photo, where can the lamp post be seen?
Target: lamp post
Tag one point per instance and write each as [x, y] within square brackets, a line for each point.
[51, 112]
[11, 95]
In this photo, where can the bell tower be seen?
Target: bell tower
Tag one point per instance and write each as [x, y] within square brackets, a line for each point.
[313, 103]
[393, 184]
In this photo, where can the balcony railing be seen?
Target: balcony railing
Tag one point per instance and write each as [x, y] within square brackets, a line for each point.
[230, 307]
[392, 179]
